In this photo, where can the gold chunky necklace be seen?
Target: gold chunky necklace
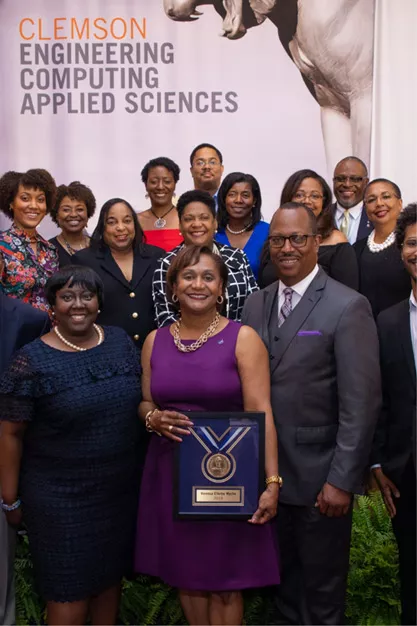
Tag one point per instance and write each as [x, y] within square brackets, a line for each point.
[200, 341]
[73, 345]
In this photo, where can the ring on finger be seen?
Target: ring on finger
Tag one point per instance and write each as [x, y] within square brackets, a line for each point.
[171, 428]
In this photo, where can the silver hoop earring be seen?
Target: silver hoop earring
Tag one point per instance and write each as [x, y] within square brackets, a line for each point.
[174, 298]
[220, 300]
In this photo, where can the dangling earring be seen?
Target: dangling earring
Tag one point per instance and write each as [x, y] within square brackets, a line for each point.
[174, 298]
[147, 196]
[99, 311]
[220, 300]
[53, 313]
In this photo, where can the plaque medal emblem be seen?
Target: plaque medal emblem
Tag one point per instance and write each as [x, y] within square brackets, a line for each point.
[219, 465]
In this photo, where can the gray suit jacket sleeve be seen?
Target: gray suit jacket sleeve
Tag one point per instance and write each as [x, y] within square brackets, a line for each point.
[359, 393]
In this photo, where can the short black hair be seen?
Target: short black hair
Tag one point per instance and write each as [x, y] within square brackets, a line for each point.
[353, 158]
[189, 256]
[195, 195]
[406, 218]
[298, 206]
[205, 145]
[395, 187]
[74, 191]
[32, 179]
[97, 239]
[170, 165]
[227, 184]
[77, 275]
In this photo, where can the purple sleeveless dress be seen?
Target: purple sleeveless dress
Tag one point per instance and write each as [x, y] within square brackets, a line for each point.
[197, 555]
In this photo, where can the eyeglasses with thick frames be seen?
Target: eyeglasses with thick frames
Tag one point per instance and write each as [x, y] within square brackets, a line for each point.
[297, 241]
[301, 196]
[356, 180]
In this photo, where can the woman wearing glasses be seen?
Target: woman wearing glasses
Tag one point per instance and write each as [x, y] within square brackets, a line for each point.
[336, 255]
[382, 276]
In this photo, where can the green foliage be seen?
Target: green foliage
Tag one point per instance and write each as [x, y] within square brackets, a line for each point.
[373, 593]
[373, 587]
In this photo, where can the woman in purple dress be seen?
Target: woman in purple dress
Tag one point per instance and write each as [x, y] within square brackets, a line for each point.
[203, 362]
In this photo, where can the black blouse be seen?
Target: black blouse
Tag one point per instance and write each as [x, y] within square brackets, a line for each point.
[338, 261]
[64, 257]
[127, 304]
[383, 278]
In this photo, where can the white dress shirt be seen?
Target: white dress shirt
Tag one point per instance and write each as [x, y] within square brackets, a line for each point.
[298, 290]
[413, 329]
[413, 326]
[355, 214]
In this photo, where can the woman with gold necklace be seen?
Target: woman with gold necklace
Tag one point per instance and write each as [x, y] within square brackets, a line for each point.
[73, 207]
[160, 223]
[72, 397]
[383, 278]
[203, 362]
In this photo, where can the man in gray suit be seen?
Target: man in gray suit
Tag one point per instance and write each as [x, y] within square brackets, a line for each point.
[326, 396]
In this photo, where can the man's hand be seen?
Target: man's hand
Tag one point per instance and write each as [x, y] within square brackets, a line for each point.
[332, 501]
[388, 490]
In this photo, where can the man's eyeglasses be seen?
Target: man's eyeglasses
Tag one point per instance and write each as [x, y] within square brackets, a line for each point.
[410, 243]
[344, 179]
[203, 162]
[297, 241]
[300, 196]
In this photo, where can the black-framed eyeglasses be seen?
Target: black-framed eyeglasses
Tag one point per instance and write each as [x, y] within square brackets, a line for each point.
[353, 179]
[297, 241]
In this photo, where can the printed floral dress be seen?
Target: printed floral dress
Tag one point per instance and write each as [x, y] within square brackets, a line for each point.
[25, 273]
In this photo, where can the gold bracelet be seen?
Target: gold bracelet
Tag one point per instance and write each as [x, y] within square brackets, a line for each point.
[148, 424]
[275, 479]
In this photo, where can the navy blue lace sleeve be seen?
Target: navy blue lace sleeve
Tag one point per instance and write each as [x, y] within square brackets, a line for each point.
[17, 389]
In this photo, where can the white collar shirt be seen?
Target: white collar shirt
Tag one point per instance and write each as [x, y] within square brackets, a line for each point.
[413, 326]
[355, 214]
[299, 289]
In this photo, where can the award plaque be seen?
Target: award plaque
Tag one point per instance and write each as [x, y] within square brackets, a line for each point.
[219, 467]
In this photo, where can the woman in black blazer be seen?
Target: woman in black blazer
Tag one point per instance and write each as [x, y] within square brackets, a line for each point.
[126, 265]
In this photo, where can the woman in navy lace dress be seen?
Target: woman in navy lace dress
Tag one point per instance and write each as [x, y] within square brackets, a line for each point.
[68, 406]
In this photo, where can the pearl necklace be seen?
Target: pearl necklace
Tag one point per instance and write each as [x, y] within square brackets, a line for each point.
[378, 247]
[238, 232]
[78, 348]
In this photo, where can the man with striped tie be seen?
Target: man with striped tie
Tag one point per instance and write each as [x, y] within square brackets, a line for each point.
[326, 397]
[349, 182]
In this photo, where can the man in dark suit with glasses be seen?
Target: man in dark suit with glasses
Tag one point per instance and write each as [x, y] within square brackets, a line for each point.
[326, 397]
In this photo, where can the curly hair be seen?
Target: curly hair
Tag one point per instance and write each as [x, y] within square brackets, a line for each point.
[32, 179]
[74, 191]
[196, 195]
[227, 184]
[169, 164]
[406, 218]
[325, 221]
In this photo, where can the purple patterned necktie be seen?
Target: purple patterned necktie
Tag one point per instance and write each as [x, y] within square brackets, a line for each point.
[286, 307]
